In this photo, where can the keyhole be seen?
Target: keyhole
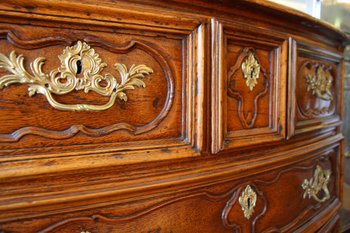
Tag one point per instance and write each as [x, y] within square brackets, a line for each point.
[252, 73]
[248, 203]
[79, 67]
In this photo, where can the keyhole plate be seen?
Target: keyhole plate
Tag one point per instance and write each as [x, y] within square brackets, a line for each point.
[247, 200]
[251, 70]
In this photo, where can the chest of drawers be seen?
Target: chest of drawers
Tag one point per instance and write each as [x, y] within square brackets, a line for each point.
[170, 116]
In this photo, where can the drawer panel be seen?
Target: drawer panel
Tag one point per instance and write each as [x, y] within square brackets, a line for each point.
[280, 200]
[110, 87]
[317, 88]
[285, 198]
[249, 101]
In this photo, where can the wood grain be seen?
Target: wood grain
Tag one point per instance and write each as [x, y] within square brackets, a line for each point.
[177, 155]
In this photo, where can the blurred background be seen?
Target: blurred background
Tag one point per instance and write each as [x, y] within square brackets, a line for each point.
[337, 13]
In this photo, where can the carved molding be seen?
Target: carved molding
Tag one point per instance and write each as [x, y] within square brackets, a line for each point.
[74, 129]
[80, 69]
[251, 72]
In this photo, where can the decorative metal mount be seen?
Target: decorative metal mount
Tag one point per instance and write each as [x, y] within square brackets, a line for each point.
[80, 70]
[319, 182]
[247, 200]
[320, 84]
[251, 70]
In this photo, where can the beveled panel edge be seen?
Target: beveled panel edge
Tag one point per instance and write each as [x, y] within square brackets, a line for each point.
[292, 56]
[277, 130]
[196, 99]
[217, 86]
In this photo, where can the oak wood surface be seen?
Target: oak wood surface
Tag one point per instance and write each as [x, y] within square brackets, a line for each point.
[178, 154]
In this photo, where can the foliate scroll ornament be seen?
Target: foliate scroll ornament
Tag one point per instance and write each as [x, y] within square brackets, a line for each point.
[318, 183]
[320, 83]
[251, 70]
[247, 200]
[80, 69]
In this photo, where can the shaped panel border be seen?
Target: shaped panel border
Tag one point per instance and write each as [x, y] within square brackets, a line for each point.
[222, 139]
[189, 144]
[324, 56]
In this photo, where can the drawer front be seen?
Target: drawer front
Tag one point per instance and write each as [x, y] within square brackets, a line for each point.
[285, 199]
[280, 200]
[249, 100]
[317, 82]
[99, 87]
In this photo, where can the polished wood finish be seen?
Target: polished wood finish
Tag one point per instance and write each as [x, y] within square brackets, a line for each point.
[242, 114]
[179, 153]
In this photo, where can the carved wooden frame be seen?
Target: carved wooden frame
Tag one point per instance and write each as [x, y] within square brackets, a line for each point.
[313, 122]
[278, 47]
[191, 32]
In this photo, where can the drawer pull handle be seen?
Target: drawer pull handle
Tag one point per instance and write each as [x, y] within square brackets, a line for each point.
[316, 184]
[78, 60]
[247, 200]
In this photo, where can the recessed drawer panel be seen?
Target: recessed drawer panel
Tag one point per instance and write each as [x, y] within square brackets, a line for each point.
[317, 80]
[108, 87]
[249, 86]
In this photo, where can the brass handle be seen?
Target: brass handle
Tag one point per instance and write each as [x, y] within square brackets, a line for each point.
[80, 70]
[319, 182]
